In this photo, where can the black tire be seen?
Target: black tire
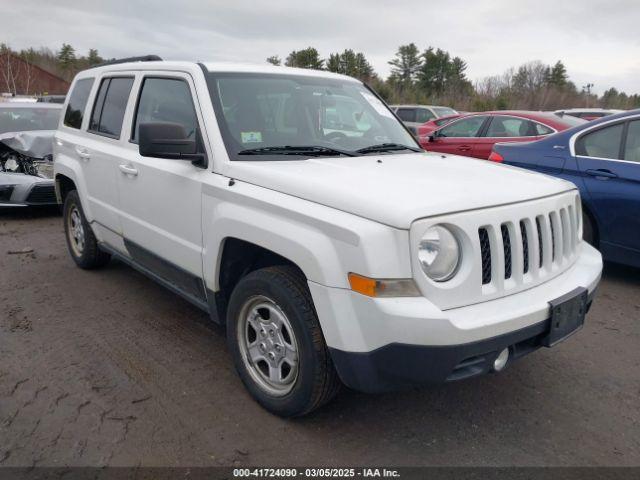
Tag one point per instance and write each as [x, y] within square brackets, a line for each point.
[588, 230]
[89, 256]
[316, 382]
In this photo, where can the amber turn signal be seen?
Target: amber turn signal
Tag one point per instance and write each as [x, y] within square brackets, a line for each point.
[372, 287]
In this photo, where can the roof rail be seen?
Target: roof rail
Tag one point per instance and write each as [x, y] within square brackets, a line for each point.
[144, 58]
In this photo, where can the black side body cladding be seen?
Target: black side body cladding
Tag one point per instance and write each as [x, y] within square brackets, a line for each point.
[170, 276]
[181, 279]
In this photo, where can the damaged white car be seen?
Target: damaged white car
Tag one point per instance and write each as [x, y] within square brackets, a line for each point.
[26, 146]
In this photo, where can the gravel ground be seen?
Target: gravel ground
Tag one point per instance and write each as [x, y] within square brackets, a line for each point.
[108, 368]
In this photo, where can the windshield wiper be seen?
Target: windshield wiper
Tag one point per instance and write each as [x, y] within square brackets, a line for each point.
[312, 150]
[387, 147]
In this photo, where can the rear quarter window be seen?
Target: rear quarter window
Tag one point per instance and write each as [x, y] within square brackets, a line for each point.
[541, 129]
[77, 103]
[601, 143]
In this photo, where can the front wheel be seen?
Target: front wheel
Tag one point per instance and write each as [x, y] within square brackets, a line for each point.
[81, 242]
[277, 344]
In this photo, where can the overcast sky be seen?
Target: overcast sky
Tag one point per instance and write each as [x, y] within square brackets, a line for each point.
[597, 40]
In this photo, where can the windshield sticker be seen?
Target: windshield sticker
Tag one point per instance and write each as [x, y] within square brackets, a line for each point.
[377, 104]
[251, 137]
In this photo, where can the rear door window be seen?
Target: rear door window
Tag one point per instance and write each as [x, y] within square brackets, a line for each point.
[77, 103]
[602, 143]
[504, 127]
[110, 105]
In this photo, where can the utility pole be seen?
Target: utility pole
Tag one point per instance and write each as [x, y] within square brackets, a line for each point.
[587, 89]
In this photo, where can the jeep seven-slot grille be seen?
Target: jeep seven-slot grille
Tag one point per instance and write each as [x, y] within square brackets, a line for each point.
[525, 255]
[525, 246]
[485, 250]
[506, 243]
[540, 244]
[553, 239]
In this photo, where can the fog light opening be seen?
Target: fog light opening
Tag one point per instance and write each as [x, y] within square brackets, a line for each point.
[501, 360]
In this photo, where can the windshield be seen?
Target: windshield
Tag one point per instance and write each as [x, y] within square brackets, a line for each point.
[444, 111]
[261, 114]
[28, 119]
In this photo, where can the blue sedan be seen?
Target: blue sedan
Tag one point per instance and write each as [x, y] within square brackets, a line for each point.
[603, 159]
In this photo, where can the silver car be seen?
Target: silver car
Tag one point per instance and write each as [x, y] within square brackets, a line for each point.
[415, 115]
[26, 146]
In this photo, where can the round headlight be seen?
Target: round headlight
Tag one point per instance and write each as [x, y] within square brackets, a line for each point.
[439, 253]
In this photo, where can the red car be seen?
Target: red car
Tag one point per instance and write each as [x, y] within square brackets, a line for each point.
[434, 124]
[475, 134]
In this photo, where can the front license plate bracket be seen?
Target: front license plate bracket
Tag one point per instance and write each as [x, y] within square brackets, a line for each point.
[567, 316]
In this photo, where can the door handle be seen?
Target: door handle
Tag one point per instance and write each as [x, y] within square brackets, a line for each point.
[128, 169]
[464, 148]
[83, 153]
[602, 174]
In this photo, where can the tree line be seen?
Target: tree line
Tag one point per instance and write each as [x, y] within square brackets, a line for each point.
[434, 76]
[429, 76]
[64, 63]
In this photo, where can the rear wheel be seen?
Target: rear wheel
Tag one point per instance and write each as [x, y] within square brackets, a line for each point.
[81, 241]
[277, 344]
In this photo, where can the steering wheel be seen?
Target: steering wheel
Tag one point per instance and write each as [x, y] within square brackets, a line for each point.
[335, 137]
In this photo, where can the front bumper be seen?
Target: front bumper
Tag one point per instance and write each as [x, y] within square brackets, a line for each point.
[396, 365]
[384, 344]
[34, 192]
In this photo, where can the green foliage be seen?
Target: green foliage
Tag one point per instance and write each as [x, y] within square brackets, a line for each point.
[93, 58]
[439, 78]
[274, 60]
[350, 63]
[307, 58]
[67, 57]
[558, 75]
[442, 75]
[405, 66]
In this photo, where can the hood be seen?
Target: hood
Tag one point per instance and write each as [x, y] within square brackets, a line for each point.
[399, 189]
[36, 144]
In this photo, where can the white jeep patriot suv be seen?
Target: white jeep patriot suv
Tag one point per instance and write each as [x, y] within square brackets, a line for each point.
[296, 209]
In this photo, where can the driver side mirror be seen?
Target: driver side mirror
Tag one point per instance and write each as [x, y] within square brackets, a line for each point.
[168, 140]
